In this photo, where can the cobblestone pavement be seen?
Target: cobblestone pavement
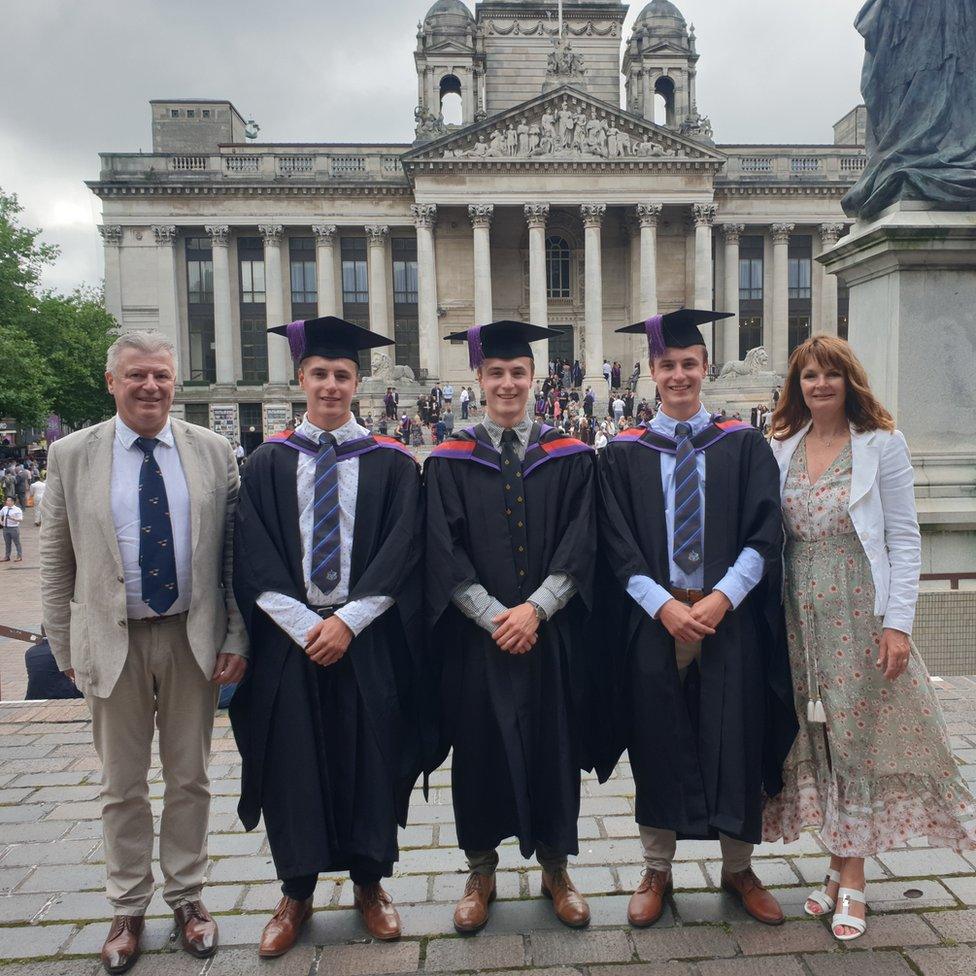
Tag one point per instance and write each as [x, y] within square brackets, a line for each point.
[53, 914]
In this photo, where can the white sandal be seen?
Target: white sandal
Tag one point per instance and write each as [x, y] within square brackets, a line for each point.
[820, 897]
[844, 917]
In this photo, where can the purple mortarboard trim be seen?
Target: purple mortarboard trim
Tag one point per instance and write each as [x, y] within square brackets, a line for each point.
[654, 327]
[296, 340]
[476, 352]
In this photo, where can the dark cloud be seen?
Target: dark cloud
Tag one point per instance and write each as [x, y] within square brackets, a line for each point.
[77, 79]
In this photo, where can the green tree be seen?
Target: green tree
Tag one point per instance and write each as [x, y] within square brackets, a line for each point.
[73, 334]
[52, 347]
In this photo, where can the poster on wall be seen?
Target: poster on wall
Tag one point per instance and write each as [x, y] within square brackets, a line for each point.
[277, 416]
[224, 420]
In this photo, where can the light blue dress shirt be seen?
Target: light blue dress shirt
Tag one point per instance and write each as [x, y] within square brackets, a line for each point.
[740, 579]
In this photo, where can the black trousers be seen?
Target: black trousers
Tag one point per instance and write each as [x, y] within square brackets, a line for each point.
[366, 872]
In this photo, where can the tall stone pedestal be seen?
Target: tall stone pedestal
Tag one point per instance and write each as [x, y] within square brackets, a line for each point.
[912, 279]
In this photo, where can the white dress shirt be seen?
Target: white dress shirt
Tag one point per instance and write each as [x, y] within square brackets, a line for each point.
[555, 591]
[293, 617]
[740, 579]
[10, 518]
[126, 465]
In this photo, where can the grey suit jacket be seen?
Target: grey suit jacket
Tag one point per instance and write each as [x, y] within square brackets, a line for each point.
[82, 585]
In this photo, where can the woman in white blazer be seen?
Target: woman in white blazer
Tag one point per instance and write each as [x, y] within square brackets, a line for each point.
[871, 766]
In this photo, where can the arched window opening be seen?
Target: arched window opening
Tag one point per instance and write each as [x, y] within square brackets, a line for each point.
[558, 262]
[664, 101]
[450, 98]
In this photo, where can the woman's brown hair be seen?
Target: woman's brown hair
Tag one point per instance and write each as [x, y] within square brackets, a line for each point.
[863, 410]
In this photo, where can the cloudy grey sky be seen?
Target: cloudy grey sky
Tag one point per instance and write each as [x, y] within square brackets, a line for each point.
[77, 78]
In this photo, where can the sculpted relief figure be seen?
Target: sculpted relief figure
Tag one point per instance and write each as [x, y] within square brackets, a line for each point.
[596, 134]
[565, 126]
[523, 138]
[548, 123]
[579, 133]
[755, 363]
[511, 140]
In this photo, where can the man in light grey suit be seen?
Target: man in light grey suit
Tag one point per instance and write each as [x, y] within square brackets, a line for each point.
[136, 561]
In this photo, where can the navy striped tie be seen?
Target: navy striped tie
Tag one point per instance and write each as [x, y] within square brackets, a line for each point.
[325, 517]
[687, 545]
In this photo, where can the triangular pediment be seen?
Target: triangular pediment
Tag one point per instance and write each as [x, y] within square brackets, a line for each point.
[565, 124]
[665, 47]
[447, 47]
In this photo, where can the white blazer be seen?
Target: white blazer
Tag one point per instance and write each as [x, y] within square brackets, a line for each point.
[882, 508]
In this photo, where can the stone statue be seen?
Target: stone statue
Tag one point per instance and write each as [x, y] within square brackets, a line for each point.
[548, 123]
[385, 369]
[919, 86]
[429, 126]
[755, 363]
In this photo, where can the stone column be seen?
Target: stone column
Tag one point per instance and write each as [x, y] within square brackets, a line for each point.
[829, 235]
[593, 214]
[112, 239]
[730, 327]
[280, 367]
[169, 296]
[536, 215]
[777, 334]
[648, 215]
[704, 216]
[378, 239]
[325, 241]
[425, 219]
[223, 320]
[481, 222]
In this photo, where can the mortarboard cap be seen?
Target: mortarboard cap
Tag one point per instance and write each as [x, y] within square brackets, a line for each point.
[501, 340]
[330, 337]
[676, 329]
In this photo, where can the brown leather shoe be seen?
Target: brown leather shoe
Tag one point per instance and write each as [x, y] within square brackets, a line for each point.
[471, 913]
[647, 902]
[570, 906]
[198, 930]
[378, 912]
[121, 948]
[281, 932]
[756, 900]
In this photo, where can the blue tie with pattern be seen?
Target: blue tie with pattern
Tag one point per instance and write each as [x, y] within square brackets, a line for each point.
[325, 517]
[687, 545]
[157, 556]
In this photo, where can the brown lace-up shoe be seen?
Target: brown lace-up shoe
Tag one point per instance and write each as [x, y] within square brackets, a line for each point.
[198, 930]
[570, 906]
[378, 912]
[281, 932]
[647, 902]
[471, 913]
[121, 948]
[756, 900]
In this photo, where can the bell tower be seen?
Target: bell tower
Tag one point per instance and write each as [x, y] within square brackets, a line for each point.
[448, 64]
[660, 65]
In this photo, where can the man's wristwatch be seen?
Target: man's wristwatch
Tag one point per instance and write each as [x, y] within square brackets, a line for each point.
[540, 614]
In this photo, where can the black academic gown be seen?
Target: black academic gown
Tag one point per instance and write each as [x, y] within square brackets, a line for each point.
[703, 754]
[330, 754]
[517, 723]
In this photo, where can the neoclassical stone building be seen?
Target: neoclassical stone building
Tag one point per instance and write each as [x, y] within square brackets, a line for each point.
[529, 193]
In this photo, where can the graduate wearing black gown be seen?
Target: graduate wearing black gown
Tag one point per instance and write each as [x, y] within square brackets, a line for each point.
[511, 537]
[704, 716]
[329, 726]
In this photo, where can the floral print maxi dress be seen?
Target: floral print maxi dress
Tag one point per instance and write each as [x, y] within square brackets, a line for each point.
[881, 770]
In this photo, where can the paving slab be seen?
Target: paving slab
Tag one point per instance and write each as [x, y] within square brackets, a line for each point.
[928, 863]
[641, 969]
[682, 942]
[949, 961]
[963, 888]
[475, 952]
[755, 939]
[858, 964]
[33, 941]
[245, 962]
[760, 966]
[370, 958]
[574, 948]
[958, 926]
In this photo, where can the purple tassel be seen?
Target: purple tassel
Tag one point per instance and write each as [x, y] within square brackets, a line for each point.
[296, 340]
[476, 353]
[654, 327]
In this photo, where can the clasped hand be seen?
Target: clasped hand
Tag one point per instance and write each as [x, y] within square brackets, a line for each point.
[326, 642]
[691, 624]
[516, 629]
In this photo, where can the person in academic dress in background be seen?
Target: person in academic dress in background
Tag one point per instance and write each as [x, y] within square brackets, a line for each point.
[510, 580]
[690, 523]
[327, 550]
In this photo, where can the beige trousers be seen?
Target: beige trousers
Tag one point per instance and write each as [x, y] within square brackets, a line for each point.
[161, 685]
[660, 845]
